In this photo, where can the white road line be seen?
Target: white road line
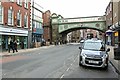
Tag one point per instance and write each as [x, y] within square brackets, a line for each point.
[68, 69]
[62, 76]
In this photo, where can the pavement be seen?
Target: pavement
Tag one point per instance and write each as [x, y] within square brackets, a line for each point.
[4, 54]
[115, 63]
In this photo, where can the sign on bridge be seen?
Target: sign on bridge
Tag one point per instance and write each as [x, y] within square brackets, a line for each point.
[85, 19]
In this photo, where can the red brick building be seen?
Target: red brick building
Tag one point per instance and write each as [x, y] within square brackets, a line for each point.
[47, 26]
[111, 20]
[14, 22]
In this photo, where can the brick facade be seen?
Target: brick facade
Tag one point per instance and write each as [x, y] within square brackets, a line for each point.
[16, 8]
[109, 15]
[12, 31]
[47, 26]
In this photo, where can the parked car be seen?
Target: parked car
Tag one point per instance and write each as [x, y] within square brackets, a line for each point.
[93, 53]
[81, 43]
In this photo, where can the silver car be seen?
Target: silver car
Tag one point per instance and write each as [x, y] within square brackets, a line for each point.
[93, 53]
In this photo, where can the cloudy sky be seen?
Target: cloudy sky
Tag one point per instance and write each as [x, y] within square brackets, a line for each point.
[75, 8]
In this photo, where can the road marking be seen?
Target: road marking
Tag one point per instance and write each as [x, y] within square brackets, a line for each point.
[62, 76]
[68, 69]
[12, 58]
[69, 66]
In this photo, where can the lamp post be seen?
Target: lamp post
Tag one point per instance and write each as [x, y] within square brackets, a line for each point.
[118, 34]
[32, 45]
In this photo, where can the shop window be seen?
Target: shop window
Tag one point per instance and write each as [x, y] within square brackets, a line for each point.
[1, 14]
[25, 42]
[10, 17]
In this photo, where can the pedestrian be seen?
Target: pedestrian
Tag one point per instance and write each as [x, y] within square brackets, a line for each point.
[11, 46]
[22, 44]
[15, 45]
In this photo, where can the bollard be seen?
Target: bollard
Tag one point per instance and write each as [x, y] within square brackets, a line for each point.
[117, 53]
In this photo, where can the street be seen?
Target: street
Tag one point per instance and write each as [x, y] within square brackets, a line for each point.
[54, 62]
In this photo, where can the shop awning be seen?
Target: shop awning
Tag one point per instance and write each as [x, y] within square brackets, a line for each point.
[109, 31]
[116, 26]
[12, 31]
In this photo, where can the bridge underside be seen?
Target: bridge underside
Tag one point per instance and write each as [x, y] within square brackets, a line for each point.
[64, 33]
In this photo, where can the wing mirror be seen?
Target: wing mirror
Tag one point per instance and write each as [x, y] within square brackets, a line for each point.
[108, 50]
[80, 48]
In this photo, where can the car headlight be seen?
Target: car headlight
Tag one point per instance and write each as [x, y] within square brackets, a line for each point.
[104, 56]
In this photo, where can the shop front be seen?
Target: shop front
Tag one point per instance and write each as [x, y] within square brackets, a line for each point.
[37, 36]
[0, 43]
[116, 28]
[109, 37]
[37, 32]
[7, 34]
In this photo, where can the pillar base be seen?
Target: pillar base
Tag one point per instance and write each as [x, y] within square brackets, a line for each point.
[117, 53]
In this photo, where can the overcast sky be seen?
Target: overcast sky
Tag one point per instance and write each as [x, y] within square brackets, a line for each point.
[75, 8]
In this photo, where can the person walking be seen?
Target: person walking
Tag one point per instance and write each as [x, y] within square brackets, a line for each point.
[11, 46]
[15, 45]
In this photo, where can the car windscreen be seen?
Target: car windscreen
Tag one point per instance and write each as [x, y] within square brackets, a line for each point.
[94, 46]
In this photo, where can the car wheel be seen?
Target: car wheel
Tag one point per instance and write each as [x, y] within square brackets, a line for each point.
[80, 64]
[106, 67]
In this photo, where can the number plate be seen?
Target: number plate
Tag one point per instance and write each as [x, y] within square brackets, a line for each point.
[95, 62]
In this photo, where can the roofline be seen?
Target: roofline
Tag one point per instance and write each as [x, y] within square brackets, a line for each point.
[108, 5]
[84, 17]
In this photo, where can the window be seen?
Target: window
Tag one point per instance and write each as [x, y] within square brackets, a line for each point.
[19, 19]
[33, 24]
[1, 14]
[37, 24]
[10, 17]
[40, 25]
[19, 2]
[111, 7]
[11, 0]
[25, 21]
[26, 4]
[92, 45]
